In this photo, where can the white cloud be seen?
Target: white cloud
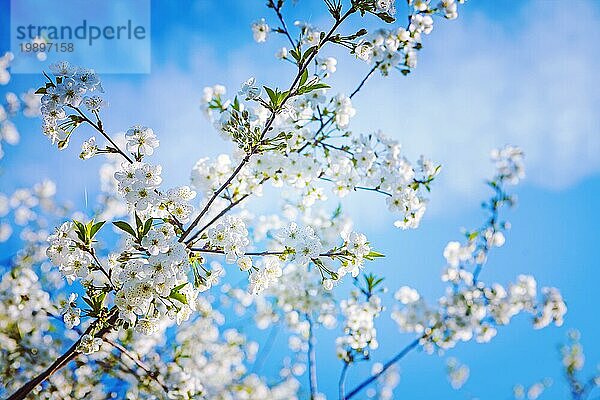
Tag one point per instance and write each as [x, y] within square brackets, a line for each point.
[480, 84]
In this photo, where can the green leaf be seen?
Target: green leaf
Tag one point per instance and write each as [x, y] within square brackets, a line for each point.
[124, 226]
[308, 52]
[319, 85]
[147, 226]
[282, 96]
[81, 231]
[337, 212]
[41, 90]
[95, 228]
[138, 222]
[295, 54]
[178, 296]
[79, 226]
[373, 254]
[304, 77]
[272, 95]
[310, 88]
[100, 299]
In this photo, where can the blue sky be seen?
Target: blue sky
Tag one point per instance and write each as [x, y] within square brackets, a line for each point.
[523, 73]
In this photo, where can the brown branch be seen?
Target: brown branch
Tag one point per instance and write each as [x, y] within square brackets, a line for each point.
[100, 129]
[63, 360]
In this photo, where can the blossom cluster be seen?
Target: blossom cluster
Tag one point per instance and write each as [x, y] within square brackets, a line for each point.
[27, 206]
[214, 364]
[390, 49]
[64, 251]
[387, 381]
[307, 157]
[147, 283]
[360, 335]
[470, 308]
[28, 103]
[532, 392]
[68, 92]
[509, 164]
[231, 236]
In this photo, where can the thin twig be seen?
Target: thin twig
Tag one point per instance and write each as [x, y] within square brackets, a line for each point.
[100, 129]
[342, 381]
[312, 360]
[412, 345]
[152, 374]
[283, 24]
[366, 78]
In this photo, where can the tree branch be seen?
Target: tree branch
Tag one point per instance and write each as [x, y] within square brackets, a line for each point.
[267, 126]
[411, 346]
[63, 360]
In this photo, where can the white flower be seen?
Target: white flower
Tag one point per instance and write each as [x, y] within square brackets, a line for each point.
[5, 232]
[89, 344]
[357, 244]
[282, 53]
[343, 110]
[260, 29]
[146, 326]
[420, 23]
[328, 284]
[421, 5]
[63, 69]
[141, 140]
[457, 373]
[450, 8]
[231, 235]
[509, 164]
[156, 242]
[386, 6]
[88, 78]
[70, 312]
[454, 253]
[407, 295]
[364, 51]
[259, 281]
[94, 103]
[70, 92]
[245, 263]
[88, 148]
[327, 64]
[249, 90]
